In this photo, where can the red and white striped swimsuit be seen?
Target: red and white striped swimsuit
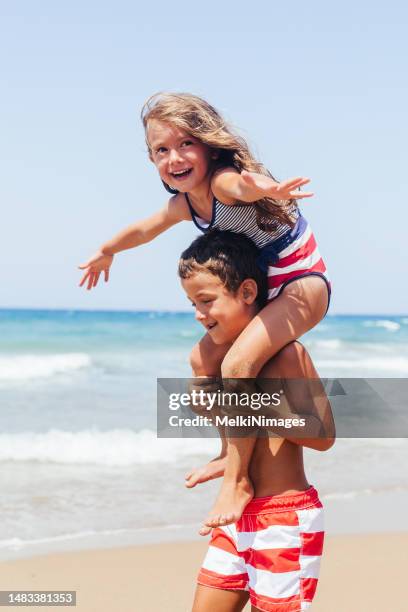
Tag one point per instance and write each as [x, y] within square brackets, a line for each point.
[292, 253]
[273, 551]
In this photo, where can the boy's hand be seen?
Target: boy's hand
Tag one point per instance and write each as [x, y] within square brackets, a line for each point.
[94, 266]
[266, 187]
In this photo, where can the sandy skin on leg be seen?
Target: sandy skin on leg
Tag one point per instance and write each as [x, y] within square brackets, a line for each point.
[298, 309]
[208, 599]
[213, 469]
[205, 360]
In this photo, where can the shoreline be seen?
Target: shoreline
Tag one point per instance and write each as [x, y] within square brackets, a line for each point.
[363, 513]
[122, 578]
[83, 308]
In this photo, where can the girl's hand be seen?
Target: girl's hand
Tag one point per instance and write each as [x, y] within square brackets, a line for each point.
[266, 187]
[94, 266]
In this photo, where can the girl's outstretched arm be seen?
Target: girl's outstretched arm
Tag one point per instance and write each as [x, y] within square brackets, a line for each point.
[230, 186]
[147, 229]
[132, 236]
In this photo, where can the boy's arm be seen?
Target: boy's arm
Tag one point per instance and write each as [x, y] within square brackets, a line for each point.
[230, 186]
[305, 398]
[316, 413]
[208, 384]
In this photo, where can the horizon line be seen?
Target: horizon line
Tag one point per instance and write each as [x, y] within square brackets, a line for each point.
[167, 311]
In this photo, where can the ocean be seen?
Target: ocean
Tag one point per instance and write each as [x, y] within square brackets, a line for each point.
[79, 455]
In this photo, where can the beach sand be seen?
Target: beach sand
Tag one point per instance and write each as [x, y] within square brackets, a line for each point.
[360, 573]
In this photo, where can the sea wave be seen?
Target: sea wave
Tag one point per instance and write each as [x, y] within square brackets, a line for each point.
[116, 447]
[188, 333]
[16, 544]
[331, 344]
[392, 326]
[358, 366]
[29, 367]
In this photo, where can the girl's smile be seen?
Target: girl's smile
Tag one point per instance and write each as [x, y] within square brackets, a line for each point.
[183, 161]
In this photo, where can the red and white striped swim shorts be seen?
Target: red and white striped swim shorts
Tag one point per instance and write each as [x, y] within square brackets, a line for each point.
[273, 552]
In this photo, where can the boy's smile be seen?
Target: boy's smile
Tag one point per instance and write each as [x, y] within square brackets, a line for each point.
[223, 313]
[183, 161]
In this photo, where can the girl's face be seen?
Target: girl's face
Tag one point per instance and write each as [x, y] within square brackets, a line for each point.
[183, 161]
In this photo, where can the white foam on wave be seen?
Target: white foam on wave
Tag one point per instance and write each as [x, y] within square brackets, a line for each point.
[347, 494]
[17, 543]
[321, 327]
[389, 365]
[188, 333]
[29, 367]
[117, 447]
[392, 326]
[332, 344]
[99, 538]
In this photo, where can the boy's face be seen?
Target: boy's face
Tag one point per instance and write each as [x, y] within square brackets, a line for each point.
[223, 313]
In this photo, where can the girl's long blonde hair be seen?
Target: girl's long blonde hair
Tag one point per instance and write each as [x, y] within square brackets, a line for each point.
[201, 120]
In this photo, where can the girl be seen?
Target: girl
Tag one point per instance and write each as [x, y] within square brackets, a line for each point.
[217, 183]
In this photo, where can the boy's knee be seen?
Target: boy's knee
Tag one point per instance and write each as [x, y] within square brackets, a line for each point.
[196, 361]
[206, 358]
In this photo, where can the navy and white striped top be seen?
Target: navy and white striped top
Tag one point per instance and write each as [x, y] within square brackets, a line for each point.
[285, 253]
[242, 219]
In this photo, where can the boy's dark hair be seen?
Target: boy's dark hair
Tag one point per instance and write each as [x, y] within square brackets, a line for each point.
[230, 256]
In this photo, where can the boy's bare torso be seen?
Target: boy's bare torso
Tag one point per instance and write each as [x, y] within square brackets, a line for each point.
[276, 467]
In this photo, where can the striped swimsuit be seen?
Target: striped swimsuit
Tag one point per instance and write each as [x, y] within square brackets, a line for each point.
[286, 254]
[273, 551]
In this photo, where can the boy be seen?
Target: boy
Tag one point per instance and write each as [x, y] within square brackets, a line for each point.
[272, 554]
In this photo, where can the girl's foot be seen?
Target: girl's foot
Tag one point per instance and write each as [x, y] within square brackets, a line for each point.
[213, 469]
[230, 504]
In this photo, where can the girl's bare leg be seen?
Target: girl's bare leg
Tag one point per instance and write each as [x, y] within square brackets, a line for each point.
[205, 360]
[300, 307]
[213, 469]
[216, 600]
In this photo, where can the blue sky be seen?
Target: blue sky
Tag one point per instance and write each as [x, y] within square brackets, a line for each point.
[318, 89]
